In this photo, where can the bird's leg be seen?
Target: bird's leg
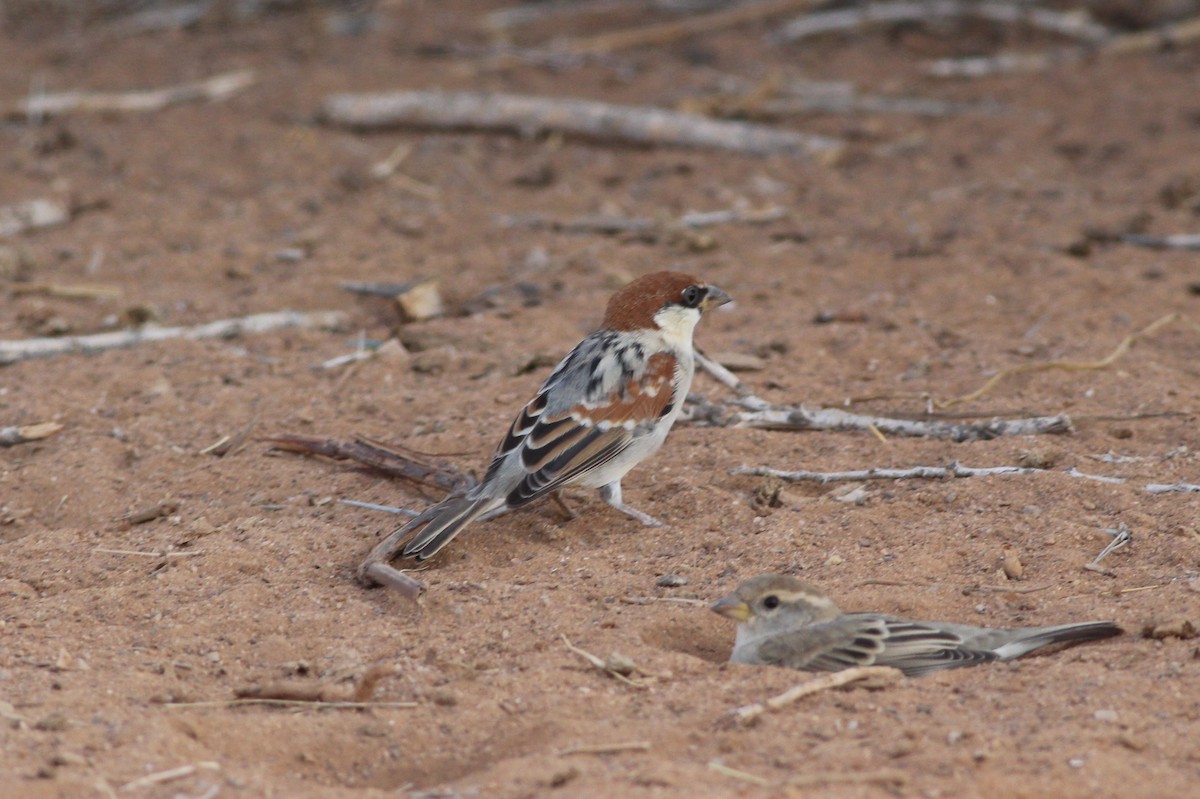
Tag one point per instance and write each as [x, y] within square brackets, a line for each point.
[561, 502]
[611, 494]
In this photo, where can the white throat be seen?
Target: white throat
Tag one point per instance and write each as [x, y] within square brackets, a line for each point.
[676, 324]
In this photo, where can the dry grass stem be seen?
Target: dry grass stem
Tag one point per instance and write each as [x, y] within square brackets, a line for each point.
[160, 777]
[12, 350]
[691, 25]
[823, 683]
[737, 774]
[218, 87]
[605, 749]
[529, 115]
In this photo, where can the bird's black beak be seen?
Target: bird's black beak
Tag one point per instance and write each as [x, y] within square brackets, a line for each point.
[713, 298]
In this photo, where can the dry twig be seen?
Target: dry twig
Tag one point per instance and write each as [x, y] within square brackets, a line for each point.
[885, 776]
[617, 666]
[605, 749]
[391, 461]
[763, 415]
[160, 777]
[823, 683]
[1173, 35]
[15, 350]
[67, 292]
[527, 115]
[1181, 241]
[218, 87]
[359, 693]
[693, 25]
[738, 774]
[797, 417]
[1078, 25]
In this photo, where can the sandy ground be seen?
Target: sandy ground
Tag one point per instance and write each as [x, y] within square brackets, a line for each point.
[945, 248]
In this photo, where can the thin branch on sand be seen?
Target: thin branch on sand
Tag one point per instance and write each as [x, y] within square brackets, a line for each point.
[379, 457]
[15, 350]
[216, 88]
[605, 749]
[612, 225]
[1172, 35]
[529, 116]
[358, 694]
[692, 25]
[954, 470]
[1180, 241]
[797, 417]
[823, 683]
[1077, 25]
[160, 777]
[763, 415]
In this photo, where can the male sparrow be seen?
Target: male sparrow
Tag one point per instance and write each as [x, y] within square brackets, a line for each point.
[606, 407]
[783, 621]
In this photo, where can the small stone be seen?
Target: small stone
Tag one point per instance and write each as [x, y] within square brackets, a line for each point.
[560, 778]
[620, 664]
[851, 495]
[68, 759]
[671, 581]
[1011, 565]
[444, 698]
[1037, 458]
[1169, 628]
[421, 301]
[1105, 715]
[55, 722]
[835, 560]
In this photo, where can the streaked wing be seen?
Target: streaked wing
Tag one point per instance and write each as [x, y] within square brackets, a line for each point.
[557, 442]
[872, 640]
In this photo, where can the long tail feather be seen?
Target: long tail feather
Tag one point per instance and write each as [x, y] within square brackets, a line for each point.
[438, 525]
[1038, 637]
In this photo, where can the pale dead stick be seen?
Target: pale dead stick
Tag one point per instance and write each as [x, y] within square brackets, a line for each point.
[1175, 34]
[738, 774]
[293, 703]
[148, 554]
[12, 351]
[689, 26]
[822, 683]
[601, 664]
[530, 115]
[605, 749]
[168, 775]
[1066, 24]
[888, 776]
[217, 87]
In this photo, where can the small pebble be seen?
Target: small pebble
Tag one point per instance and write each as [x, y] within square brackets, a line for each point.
[1105, 715]
[671, 581]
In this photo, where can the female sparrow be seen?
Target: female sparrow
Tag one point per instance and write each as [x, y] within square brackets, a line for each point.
[783, 621]
[606, 407]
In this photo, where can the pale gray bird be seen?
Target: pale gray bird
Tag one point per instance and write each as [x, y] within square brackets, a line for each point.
[783, 621]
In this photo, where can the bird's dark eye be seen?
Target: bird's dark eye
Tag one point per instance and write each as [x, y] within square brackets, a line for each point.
[771, 602]
[692, 296]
